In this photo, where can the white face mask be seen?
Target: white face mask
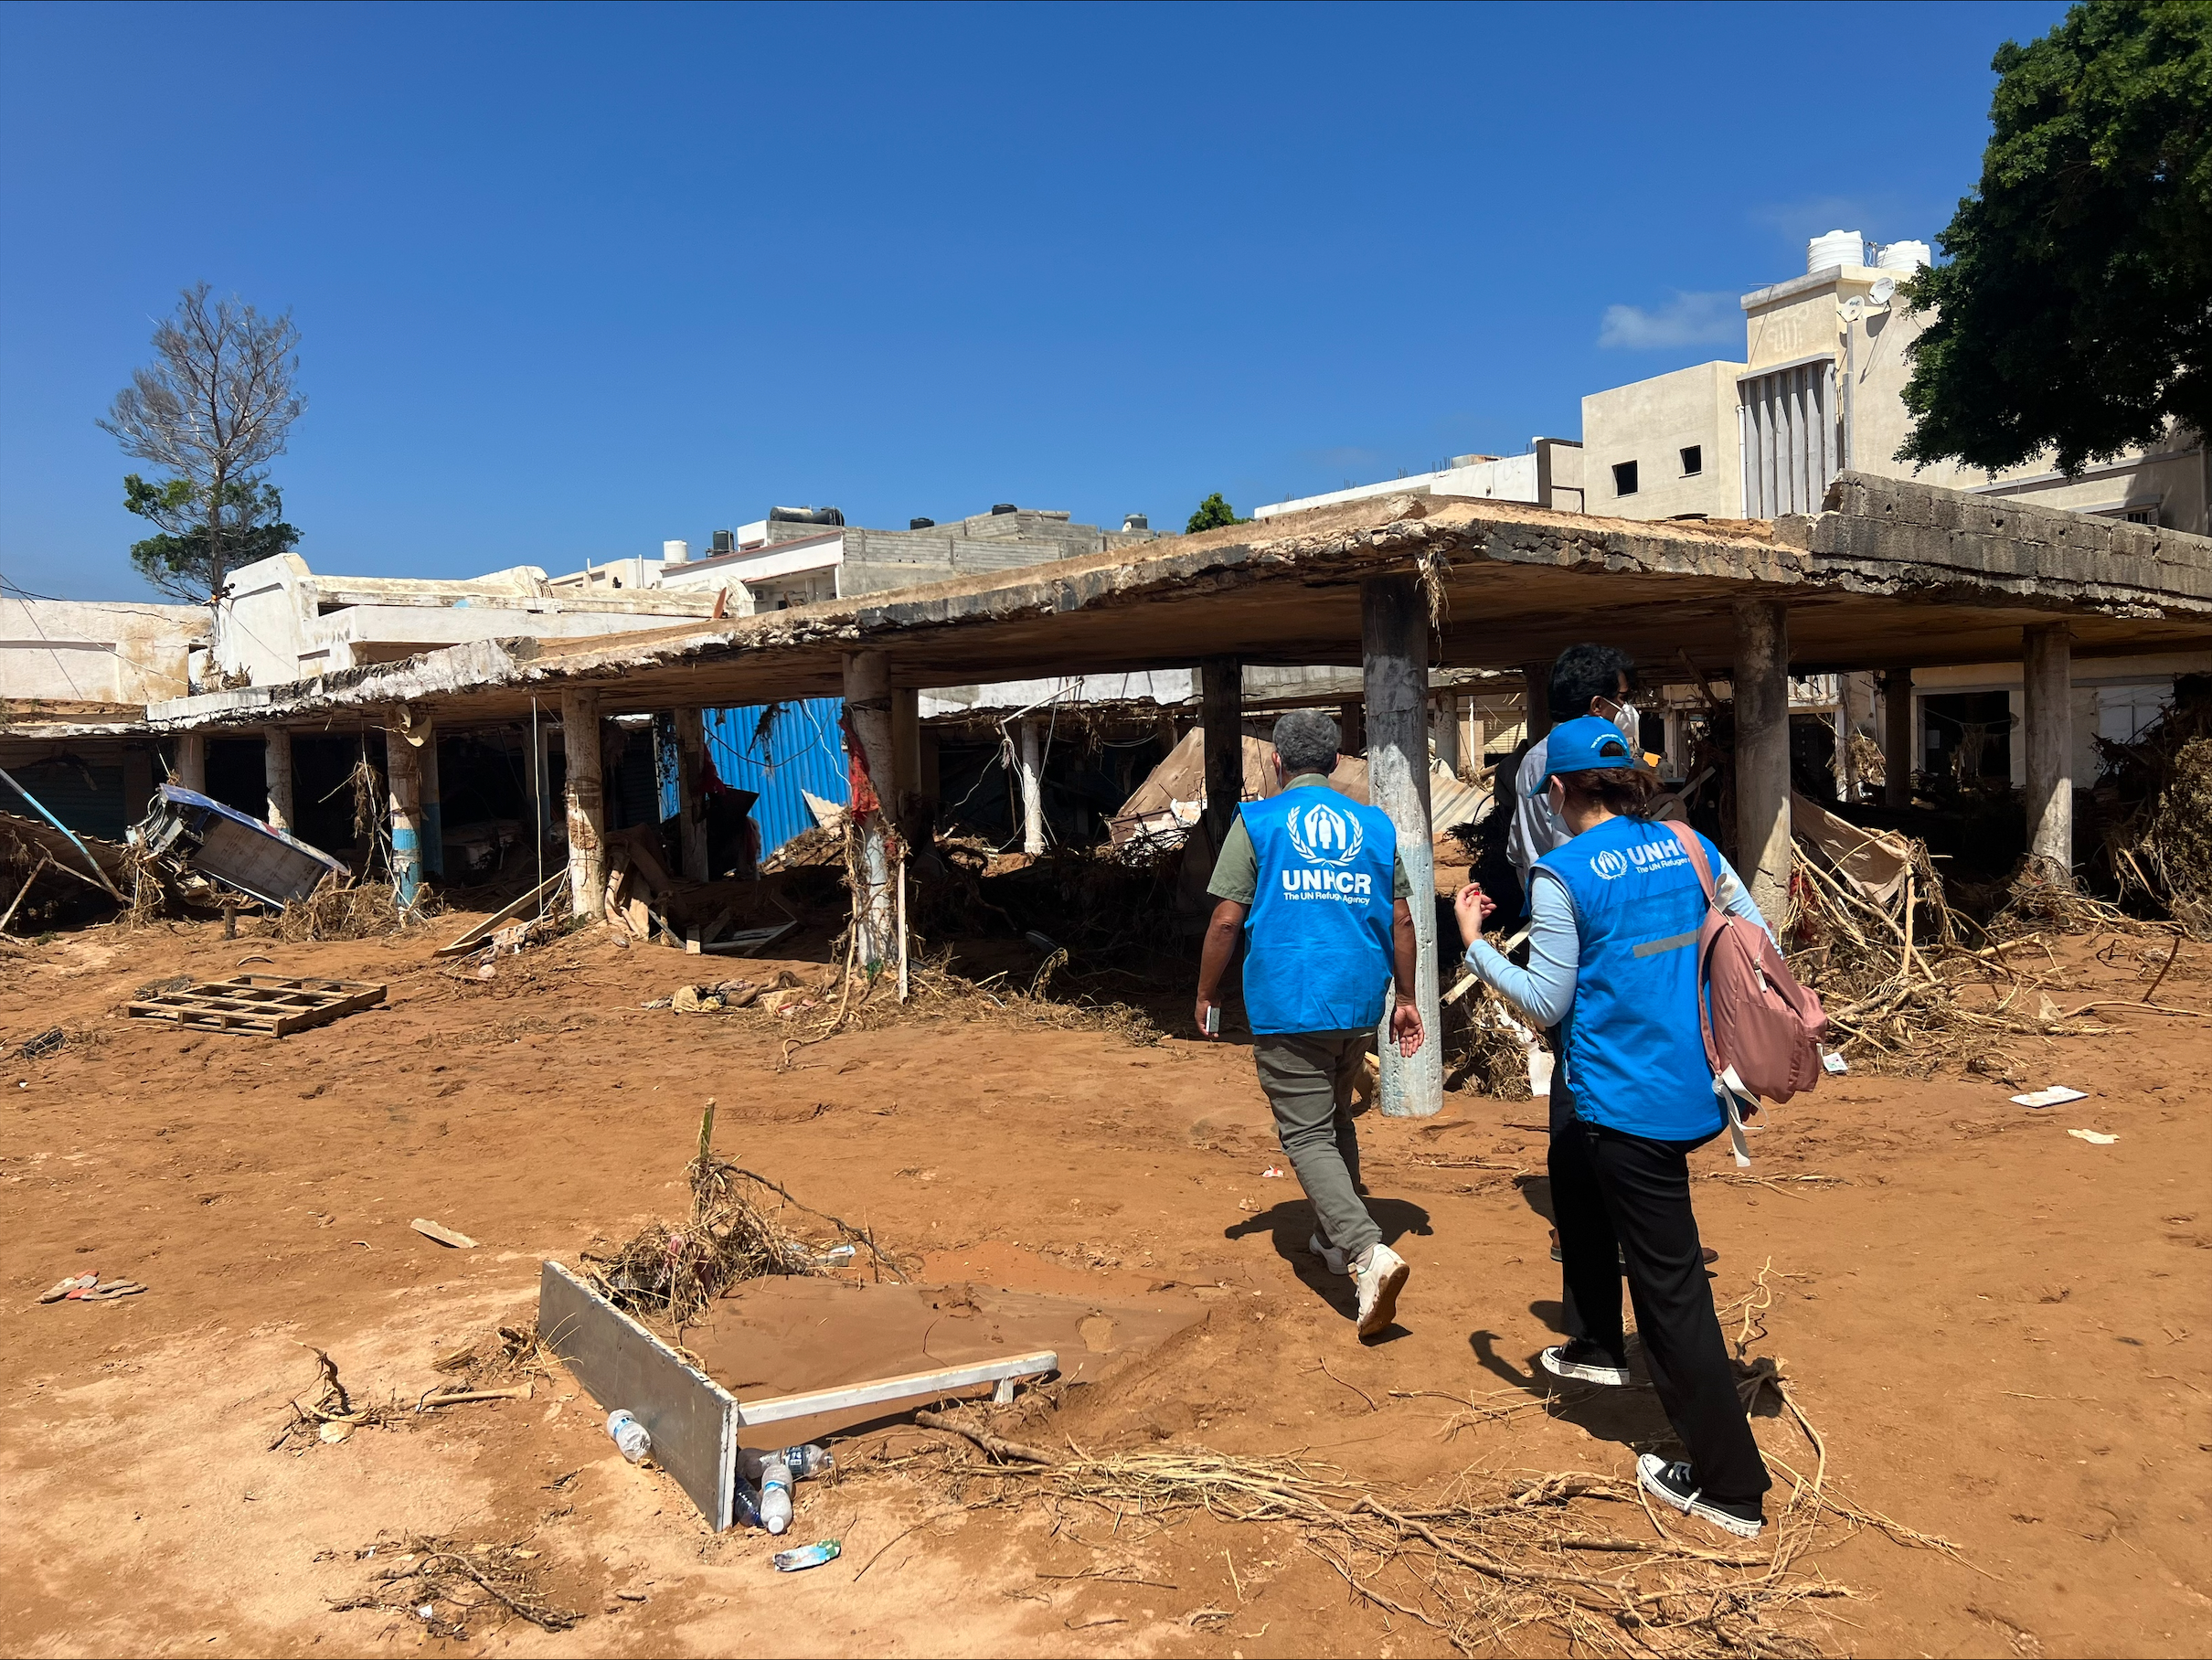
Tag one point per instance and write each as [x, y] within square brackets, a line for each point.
[1629, 722]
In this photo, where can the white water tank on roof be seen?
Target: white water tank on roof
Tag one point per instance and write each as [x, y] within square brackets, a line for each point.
[1904, 257]
[1837, 247]
[676, 553]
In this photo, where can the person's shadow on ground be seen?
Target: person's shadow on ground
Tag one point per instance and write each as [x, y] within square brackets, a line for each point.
[1292, 1223]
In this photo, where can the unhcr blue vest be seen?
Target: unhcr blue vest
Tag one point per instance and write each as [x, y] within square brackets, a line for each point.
[1319, 933]
[1636, 1054]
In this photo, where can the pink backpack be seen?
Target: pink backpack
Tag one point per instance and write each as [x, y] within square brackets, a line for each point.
[1763, 1030]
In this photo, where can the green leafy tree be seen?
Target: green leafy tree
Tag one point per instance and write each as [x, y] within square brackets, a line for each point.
[179, 560]
[212, 411]
[1212, 514]
[2074, 311]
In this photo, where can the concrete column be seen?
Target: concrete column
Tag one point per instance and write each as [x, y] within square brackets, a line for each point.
[1394, 648]
[1899, 759]
[1030, 768]
[1474, 735]
[538, 772]
[403, 777]
[137, 782]
[691, 790]
[1444, 731]
[2046, 678]
[868, 712]
[1536, 679]
[916, 813]
[1762, 681]
[433, 804]
[1221, 708]
[1670, 743]
[586, 804]
[192, 760]
[276, 772]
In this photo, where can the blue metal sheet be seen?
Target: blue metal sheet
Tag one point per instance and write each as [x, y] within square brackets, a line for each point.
[802, 747]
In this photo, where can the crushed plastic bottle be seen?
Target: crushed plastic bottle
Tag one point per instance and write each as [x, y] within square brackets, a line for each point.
[775, 1494]
[803, 1462]
[629, 1435]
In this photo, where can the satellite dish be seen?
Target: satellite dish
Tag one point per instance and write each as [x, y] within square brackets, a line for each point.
[1881, 290]
[1851, 311]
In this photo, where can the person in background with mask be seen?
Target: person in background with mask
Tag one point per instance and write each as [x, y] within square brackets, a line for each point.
[1586, 679]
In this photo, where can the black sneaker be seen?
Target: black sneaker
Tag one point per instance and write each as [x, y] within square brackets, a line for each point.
[1675, 1486]
[1584, 1362]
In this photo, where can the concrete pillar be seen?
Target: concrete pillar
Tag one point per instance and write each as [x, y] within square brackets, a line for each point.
[137, 782]
[1030, 766]
[433, 801]
[1394, 648]
[868, 712]
[538, 774]
[691, 792]
[1899, 759]
[916, 812]
[276, 773]
[1535, 680]
[1762, 681]
[2047, 679]
[586, 804]
[403, 777]
[192, 760]
[1474, 735]
[1221, 708]
[1444, 731]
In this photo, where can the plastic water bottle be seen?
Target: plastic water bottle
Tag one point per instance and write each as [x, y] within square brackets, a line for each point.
[803, 1462]
[775, 1494]
[629, 1435]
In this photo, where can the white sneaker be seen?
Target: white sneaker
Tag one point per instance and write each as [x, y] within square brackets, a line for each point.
[1379, 1276]
[1584, 1362]
[1333, 1259]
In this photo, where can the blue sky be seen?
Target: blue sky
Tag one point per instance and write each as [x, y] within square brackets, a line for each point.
[572, 280]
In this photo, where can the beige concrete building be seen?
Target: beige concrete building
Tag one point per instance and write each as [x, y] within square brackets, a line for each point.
[1821, 389]
[1664, 448]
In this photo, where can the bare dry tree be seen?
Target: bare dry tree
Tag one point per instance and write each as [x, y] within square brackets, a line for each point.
[212, 408]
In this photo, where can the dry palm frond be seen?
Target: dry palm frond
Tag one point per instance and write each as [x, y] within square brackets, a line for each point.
[1502, 1554]
[349, 910]
[673, 1273]
[445, 1586]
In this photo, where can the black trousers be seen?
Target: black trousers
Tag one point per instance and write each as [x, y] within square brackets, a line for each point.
[1563, 1125]
[1613, 1190]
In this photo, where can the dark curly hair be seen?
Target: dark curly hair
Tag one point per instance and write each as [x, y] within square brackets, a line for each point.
[1583, 672]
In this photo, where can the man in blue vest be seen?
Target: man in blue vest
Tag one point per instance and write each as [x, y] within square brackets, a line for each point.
[1314, 878]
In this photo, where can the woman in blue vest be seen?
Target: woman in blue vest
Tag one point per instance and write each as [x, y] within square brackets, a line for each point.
[1613, 953]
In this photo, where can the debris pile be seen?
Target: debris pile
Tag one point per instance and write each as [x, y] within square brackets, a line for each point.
[457, 1593]
[672, 1273]
[2154, 805]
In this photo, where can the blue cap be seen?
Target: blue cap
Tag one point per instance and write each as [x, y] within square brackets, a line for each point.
[1584, 745]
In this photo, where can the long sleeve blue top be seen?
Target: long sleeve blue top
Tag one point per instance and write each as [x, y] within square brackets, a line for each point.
[1545, 990]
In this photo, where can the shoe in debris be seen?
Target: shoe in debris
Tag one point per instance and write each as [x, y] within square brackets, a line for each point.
[1380, 1276]
[1584, 1362]
[1674, 1484]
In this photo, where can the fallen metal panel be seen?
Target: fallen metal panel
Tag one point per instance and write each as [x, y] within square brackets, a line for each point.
[908, 1386]
[692, 1420]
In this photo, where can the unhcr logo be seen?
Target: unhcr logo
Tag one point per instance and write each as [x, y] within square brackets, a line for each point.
[1644, 855]
[1320, 833]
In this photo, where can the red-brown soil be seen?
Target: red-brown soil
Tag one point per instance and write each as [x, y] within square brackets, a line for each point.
[2002, 1330]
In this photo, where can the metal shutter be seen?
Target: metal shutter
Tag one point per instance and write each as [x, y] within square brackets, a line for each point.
[1792, 445]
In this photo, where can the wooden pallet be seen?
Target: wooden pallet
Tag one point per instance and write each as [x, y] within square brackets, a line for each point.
[266, 1006]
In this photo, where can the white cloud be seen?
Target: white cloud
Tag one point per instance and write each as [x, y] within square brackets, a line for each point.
[1696, 319]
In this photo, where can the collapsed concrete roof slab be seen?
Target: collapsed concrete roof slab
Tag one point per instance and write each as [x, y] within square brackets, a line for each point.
[1889, 574]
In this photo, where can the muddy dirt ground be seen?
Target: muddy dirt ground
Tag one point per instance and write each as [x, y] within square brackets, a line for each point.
[2002, 1330]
